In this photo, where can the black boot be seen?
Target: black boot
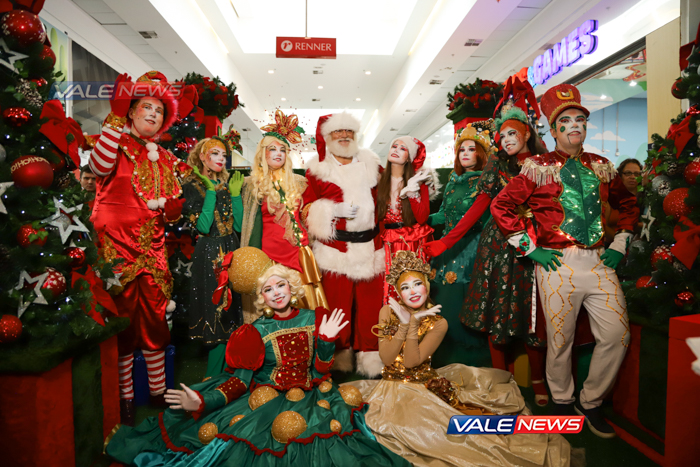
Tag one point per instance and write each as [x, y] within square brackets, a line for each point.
[127, 411]
[595, 421]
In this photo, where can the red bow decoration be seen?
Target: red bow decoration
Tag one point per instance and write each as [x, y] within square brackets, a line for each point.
[687, 245]
[99, 295]
[32, 6]
[188, 98]
[183, 243]
[680, 133]
[62, 131]
[221, 271]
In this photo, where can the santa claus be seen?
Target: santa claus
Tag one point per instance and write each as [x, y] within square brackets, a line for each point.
[339, 211]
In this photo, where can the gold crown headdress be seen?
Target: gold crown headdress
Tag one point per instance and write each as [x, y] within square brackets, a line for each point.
[406, 261]
[480, 132]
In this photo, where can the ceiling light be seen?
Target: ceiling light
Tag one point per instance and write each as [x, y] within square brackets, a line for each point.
[367, 72]
[271, 71]
[429, 141]
[603, 96]
[284, 98]
[358, 99]
[633, 83]
[320, 87]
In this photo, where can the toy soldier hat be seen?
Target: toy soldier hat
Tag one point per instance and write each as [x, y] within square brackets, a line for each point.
[559, 98]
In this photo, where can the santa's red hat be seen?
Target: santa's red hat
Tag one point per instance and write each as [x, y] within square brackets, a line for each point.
[329, 123]
[416, 150]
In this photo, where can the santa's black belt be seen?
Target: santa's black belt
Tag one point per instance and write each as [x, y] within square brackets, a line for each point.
[356, 237]
[393, 226]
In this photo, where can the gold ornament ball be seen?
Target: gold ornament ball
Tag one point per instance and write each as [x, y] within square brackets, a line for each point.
[236, 419]
[247, 265]
[262, 395]
[325, 386]
[268, 312]
[351, 395]
[324, 403]
[336, 426]
[207, 433]
[287, 425]
[295, 394]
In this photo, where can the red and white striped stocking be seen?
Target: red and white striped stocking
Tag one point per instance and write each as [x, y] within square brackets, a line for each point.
[155, 363]
[126, 381]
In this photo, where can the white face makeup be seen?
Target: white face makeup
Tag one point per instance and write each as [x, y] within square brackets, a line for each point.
[276, 293]
[275, 155]
[215, 159]
[512, 141]
[413, 292]
[570, 128]
[147, 117]
[398, 153]
[468, 156]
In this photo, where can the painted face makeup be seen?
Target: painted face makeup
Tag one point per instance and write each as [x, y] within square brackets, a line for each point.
[147, 117]
[413, 292]
[398, 153]
[468, 157]
[215, 158]
[276, 293]
[570, 129]
[512, 140]
[275, 155]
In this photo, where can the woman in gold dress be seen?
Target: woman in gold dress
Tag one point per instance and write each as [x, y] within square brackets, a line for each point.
[411, 406]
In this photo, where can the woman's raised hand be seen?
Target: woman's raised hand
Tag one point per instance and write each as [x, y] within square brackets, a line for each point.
[331, 326]
[428, 312]
[208, 184]
[186, 399]
[403, 315]
[235, 183]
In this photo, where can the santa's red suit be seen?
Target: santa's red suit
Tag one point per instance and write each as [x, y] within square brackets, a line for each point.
[348, 250]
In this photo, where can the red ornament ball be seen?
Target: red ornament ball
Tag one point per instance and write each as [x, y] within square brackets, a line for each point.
[25, 231]
[32, 171]
[76, 255]
[661, 253]
[691, 172]
[181, 146]
[674, 203]
[22, 28]
[16, 116]
[684, 298]
[644, 282]
[40, 82]
[48, 56]
[676, 91]
[191, 142]
[55, 284]
[10, 329]
[59, 161]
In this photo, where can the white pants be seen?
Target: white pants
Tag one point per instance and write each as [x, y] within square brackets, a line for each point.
[583, 279]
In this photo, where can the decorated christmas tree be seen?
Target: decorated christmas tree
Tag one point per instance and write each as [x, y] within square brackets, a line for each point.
[663, 262]
[52, 287]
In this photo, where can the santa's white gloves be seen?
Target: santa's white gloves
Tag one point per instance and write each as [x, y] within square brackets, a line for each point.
[331, 326]
[345, 210]
[412, 188]
[186, 399]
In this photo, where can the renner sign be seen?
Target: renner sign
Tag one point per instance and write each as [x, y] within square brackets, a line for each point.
[302, 47]
[578, 43]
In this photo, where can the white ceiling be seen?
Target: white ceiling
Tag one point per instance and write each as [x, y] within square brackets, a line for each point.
[404, 44]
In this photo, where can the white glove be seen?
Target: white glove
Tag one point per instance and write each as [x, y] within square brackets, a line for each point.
[186, 400]
[346, 210]
[412, 187]
[331, 326]
[428, 312]
[404, 316]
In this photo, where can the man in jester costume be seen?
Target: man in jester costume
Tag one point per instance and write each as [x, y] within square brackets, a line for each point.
[339, 210]
[137, 193]
[566, 189]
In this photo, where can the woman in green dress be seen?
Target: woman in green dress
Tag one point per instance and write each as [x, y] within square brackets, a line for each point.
[452, 268]
[213, 206]
[274, 405]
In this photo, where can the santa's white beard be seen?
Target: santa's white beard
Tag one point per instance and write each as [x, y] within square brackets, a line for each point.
[339, 150]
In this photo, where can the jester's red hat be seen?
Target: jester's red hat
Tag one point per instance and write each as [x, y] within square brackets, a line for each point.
[559, 98]
[154, 84]
[329, 123]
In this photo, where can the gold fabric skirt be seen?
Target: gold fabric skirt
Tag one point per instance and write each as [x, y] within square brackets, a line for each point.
[411, 421]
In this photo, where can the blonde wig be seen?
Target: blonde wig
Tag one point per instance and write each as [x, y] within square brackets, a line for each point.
[202, 147]
[261, 177]
[290, 275]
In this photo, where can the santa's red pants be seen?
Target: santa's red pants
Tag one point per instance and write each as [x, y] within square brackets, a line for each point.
[361, 301]
[143, 302]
